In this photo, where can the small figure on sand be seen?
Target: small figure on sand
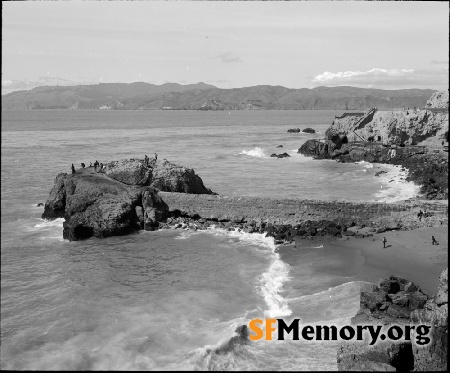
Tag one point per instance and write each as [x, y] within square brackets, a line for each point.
[73, 169]
[419, 215]
[146, 161]
[433, 241]
[384, 242]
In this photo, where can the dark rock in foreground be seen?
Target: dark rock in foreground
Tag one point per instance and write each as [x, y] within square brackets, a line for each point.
[396, 301]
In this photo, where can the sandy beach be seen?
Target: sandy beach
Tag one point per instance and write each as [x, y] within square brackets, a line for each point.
[408, 254]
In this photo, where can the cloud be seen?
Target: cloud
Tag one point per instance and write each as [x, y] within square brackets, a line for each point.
[435, 75]
[229, 58]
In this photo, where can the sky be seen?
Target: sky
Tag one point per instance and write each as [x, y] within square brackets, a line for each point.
[229, 44]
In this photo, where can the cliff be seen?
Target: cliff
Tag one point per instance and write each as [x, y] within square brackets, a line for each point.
[413, 138]
[396, 301]
[143, 96]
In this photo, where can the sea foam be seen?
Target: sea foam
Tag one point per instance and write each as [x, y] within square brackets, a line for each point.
[256, 152]
[394, 188]
[271, 282]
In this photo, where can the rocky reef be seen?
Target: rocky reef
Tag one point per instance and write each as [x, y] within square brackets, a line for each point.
[396, 301]
[120, 198]
[412, 138]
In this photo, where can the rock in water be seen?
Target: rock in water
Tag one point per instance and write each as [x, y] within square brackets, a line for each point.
[309, 130]
[294, 130]
[119, 201]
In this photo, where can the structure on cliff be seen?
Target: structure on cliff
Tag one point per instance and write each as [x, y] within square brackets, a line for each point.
[414, 138]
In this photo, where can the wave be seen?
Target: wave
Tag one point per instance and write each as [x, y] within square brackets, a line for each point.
[271, 282]
[50, 228]
[50, 223]
[365, 164]
[394, 188]
[256, 152]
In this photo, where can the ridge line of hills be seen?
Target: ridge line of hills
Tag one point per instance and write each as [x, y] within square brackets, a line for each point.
[201, 96]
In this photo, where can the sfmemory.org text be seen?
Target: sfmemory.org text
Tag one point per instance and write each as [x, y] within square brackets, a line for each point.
[265, 328]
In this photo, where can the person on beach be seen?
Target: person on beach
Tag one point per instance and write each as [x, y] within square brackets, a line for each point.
[146, 161]
[420, 214]
[384, 242]
[433, 241]
[156, 157]
[73, 169]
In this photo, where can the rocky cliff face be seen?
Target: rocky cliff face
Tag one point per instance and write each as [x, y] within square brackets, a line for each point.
[433, 357]
[370, 136]
[438, 100]
[117, 200]
[402, 127]
[396, 301]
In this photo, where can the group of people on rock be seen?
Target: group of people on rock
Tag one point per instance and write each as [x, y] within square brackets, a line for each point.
[97, 166]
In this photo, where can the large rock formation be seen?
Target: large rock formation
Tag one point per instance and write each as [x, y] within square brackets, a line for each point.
[438, 100]
[119, 199]
[396, 301]
[160, 174]
[433, 357]
[371, 136]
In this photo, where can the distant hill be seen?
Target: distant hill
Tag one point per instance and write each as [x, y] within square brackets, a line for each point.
[201, 96]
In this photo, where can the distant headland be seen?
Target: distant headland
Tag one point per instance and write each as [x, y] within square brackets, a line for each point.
[204, 97]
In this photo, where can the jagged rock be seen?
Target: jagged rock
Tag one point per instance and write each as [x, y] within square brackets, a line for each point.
[116, 201]
[433, 356]
[56, 202]
[170, 177]
[129, 171]
[283, 155]
[438, 100]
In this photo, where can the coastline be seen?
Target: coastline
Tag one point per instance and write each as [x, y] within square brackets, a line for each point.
[409, 254]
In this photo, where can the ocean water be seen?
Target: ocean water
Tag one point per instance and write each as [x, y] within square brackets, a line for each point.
[172, 299]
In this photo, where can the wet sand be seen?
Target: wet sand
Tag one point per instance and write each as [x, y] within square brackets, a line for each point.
[408, 254]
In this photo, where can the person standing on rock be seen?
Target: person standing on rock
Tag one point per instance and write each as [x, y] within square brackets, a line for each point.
[156, 157]
[384, 242]
[73, 169]
[146, 161]
[420, 214]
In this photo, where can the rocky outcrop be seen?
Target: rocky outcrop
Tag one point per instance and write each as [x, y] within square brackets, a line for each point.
[438, 100]
[426, 167]
[119, 199]
[294, 130]
[433, 357]
[393, 137]
[309, 130]
[396, 301]
[160, 174]
[281, 155]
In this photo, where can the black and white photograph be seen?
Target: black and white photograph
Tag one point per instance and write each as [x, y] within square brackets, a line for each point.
[224, 185]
